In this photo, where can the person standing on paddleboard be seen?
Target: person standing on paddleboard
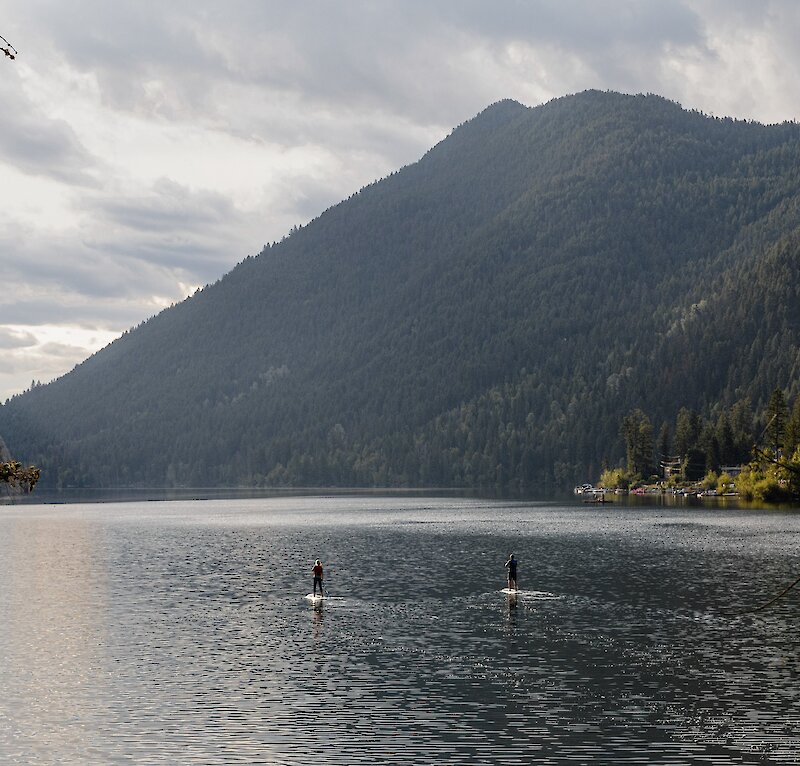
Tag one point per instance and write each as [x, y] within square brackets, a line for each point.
[511, 566]
[317, 570]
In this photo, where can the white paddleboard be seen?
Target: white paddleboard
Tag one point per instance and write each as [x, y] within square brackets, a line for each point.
[314, 597]
[541, 595]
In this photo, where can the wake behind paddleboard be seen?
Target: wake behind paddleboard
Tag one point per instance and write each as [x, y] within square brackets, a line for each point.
[539, 595]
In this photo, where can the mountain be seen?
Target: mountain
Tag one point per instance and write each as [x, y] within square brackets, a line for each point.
[483, 317]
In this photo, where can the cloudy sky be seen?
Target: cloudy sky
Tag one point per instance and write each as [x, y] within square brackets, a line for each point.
[147, 147]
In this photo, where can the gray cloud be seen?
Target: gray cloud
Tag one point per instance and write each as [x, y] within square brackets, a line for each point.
[10, 339]
[171, 227]
[412, 58]
[109, 315]
[168, 206]
[37, 144]
[57, 352]
[51, 361]
[585, 26]
[112, 286]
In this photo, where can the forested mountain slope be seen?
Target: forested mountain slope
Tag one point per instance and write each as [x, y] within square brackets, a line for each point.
[485, 316]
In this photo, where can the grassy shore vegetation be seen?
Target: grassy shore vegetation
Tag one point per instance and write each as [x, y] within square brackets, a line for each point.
[757, 456]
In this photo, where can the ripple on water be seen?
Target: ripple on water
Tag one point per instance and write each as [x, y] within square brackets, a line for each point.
[184, 637]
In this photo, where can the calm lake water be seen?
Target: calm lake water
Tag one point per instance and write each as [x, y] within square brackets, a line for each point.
[177, 632]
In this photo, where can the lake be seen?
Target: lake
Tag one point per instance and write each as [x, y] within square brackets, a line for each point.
[177, 632]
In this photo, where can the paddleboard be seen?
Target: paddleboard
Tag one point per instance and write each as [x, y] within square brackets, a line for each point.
[314, 597]
[540, 595]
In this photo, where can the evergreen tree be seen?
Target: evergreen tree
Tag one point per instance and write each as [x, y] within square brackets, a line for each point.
[741, 420]
[687, 431]
[724, 435]
[792, 435]
[637, 431]
[775, 430]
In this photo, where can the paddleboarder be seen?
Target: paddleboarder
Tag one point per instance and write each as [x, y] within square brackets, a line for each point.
[511, 566]
[317, 571]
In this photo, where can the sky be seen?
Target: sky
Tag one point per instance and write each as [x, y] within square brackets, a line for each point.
[148, 147]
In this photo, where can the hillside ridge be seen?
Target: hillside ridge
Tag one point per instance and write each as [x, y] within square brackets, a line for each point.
[482, 317]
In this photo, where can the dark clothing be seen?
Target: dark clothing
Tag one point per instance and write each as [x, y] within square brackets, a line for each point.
[511, 566]
[317, 570]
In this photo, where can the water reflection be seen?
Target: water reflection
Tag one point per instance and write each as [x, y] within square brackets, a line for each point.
[316, 623]
[53, 599]
[511, 621]
[180, 633]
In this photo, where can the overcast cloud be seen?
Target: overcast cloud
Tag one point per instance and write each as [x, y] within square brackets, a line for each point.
[147, 147]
